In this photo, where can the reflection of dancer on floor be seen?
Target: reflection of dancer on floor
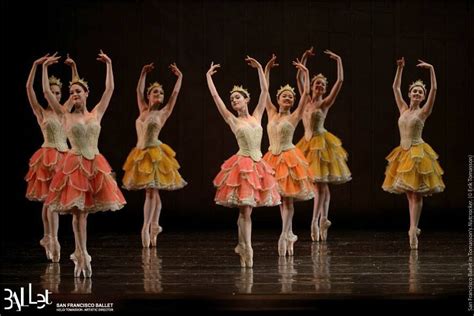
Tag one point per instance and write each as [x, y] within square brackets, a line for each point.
[83, 182]
[151, 264]
[151, 164]
[244, 282]
[322, 149]
[413, 168]
[320, 255]
[292, 172]
[245, 180]
[287, 272]
[44, 161]
[414, 285]
[51, 278]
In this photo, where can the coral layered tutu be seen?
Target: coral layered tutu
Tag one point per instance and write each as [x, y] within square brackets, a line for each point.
[293, 175]
[243, 181]
[326, 157]
[415, 169]
[42, 167]
[85, 184]
[153, 167]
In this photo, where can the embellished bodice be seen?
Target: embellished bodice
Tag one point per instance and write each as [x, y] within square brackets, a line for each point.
[148, 131]
[317, 119]
[249, 139]
[53, 133]
[411, 129]
[84, 137]
[280, 134]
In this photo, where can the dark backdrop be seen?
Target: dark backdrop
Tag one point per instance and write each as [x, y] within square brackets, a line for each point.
[368, 35]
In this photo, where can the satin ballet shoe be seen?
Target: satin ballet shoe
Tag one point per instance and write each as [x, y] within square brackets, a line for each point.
[145, 238]
[155, 231]
[315, 231]
[282, 245]
[82, 265]
[325, 224]
[44, 242]
[413, 238]
[55, 249]
[292, 238]
[240, 250]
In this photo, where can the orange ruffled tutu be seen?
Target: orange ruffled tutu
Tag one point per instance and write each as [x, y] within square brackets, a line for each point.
[42, 167]
[153, 167]
[326, 157]
[415, 169]
[293, 175]
[243, 181]
[85, 184]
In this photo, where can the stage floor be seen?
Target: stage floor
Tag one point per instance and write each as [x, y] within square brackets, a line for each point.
[353, 271]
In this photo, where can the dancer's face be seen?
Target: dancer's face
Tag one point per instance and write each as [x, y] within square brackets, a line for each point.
[238, 101]
[79, 95]
[156, 96]
[56, 90]
[417, 94]
[319, 86]
[286, 99]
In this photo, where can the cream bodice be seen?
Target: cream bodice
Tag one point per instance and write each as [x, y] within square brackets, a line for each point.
[280, 134]
[84, 137]
[249, 139]
[53, 133]
[411, 129]
[148, 131]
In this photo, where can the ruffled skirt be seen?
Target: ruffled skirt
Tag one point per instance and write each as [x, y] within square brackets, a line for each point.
[292, 173]
[244, 182]
[85, 184]
[153, 167]
[415, 169]
[326, 157]
[42, 167]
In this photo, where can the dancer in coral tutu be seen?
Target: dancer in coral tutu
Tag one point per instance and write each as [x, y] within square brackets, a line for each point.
[44, 161]
[151, 164]
[83, 182]
[413, 168]
[292, 172]
[245, 180]
[323, 150]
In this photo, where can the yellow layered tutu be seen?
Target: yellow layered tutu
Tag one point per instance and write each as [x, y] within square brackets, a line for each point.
[152, 168]
[326, 158]
[415, 169]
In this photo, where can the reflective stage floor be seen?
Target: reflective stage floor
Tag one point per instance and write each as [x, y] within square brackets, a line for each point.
[355, 271]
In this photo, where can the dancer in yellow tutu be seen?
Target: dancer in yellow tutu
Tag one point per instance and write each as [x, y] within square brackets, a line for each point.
[323, 150]
[151, 165]
[413, 168]
[292, 172]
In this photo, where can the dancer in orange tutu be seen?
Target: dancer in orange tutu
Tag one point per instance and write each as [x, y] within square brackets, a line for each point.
[292, 172]
[44, 161]
[83, 182]
[323, 150]
[245, 180]
[413, 168]
[151, 164]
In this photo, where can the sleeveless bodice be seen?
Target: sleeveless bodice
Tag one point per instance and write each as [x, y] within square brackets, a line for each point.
[53, 133]
[249, 139]
[280, 134]
[411, 129]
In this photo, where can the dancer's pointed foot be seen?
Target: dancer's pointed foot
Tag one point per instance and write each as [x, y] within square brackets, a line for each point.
[155, 231]
[145, 237]
[44, 242]
[325, 224]
[55, 249]
[82, 265]
[292, 238]
[413, 237]
[282, 245]
[240, 250]
[315, 231]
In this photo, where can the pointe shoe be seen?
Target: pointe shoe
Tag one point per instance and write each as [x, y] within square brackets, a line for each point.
[155, 231]
[82, 265]
[239, 249]
[55, 249]
[315, 231]
[87, 267]
[44, 242]
[282, 245]
[249, 257]
[145, 238]
[325, 224]
[413, 238]
[292, 238]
